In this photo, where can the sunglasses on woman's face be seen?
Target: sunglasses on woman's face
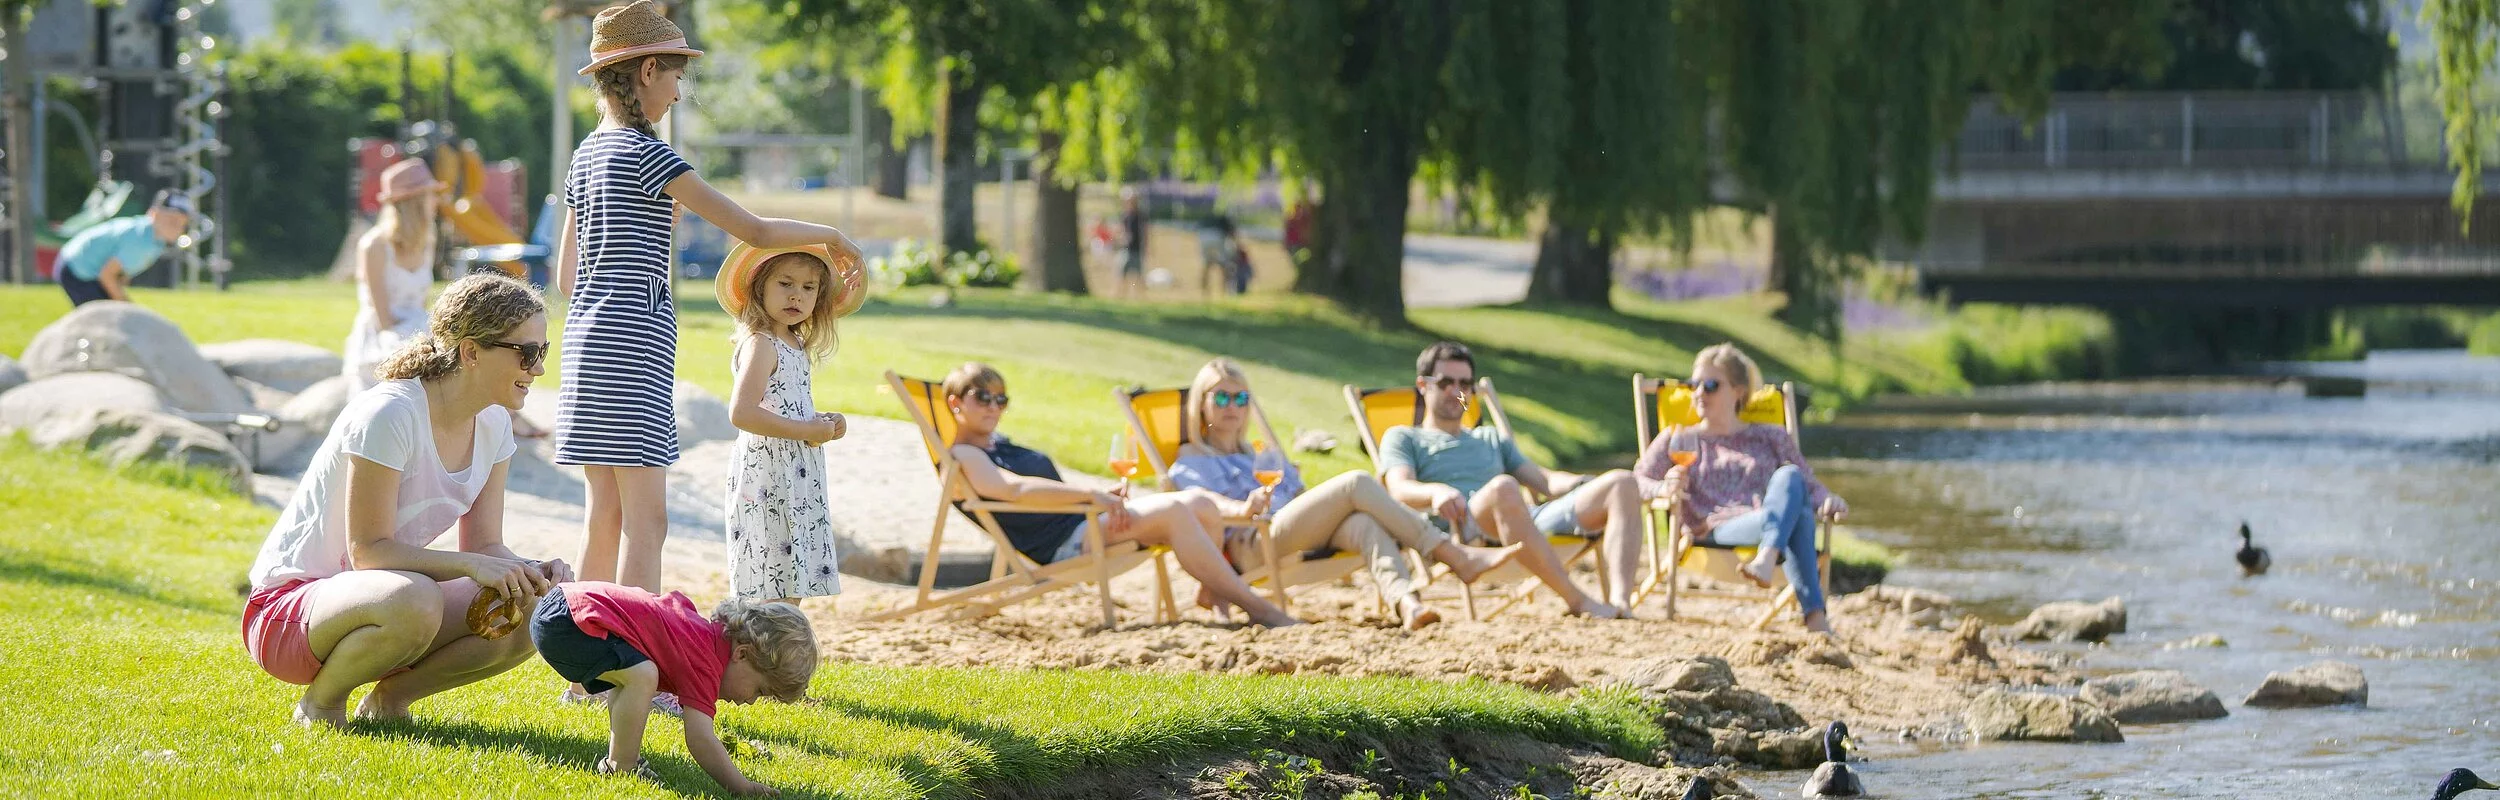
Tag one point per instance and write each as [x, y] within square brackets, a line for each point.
[1229, 399]
[997, 400]
[531, 354]
[1706, 385]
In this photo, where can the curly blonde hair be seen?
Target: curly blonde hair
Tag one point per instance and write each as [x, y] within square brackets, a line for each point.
[477, 308]
[618, 91]
[777, 639]
[820, 333]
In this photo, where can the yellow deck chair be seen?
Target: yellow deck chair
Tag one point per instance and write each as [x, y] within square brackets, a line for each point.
[1659, 404]
[1375, 411]
[1014, 577]
[1156, 419]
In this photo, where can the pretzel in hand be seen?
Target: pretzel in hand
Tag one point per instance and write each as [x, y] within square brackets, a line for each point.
[492, 615]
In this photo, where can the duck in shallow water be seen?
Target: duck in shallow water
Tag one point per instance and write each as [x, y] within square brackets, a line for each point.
[1834, 779]
[2253, 559]
[2460, 781]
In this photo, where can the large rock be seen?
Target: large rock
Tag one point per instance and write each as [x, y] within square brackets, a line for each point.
[11, 375]
[303, 422]
[63, 395]
[2072, 621]
[2153, 696]
[700, 416]
[121, 337]
[1658, 675]
[278, 364]
[2325, 683]
[2000, 715]
[122, 436]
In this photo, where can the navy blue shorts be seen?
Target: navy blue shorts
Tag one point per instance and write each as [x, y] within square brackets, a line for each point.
[577, 655]
[81, 290]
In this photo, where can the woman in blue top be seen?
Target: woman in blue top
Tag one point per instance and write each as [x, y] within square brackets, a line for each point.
[1351, 512]
[615, 418]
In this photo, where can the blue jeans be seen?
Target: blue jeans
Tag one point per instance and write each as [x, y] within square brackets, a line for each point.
[1785, 523]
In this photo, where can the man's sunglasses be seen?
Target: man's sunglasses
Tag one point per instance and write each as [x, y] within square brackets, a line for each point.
[1446, 383]
[987, 398]
[1229, 399]
[531, 354]
[1706, 385]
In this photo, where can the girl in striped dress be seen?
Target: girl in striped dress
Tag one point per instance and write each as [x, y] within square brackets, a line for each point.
[615, 419]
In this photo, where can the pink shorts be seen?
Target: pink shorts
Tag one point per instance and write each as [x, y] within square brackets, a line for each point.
[276, 633]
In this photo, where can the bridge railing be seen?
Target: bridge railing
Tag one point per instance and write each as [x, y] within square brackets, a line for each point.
[2194, 130]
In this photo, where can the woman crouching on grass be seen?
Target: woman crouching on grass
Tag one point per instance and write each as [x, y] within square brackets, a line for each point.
[345, 592]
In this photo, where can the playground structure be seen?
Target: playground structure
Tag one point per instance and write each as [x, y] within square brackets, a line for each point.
[158, 109]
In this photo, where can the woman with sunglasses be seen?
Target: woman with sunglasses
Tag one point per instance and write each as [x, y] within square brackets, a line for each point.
[1748, 485]
[1186, 521]
[345, 591]
[1352, 512]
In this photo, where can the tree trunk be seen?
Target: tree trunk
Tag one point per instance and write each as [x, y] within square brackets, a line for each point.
[1057, 241]
[1811, 304]
[1574, 266]
[959, 129]
[17, 104]
[1359, 239]
[893, 164]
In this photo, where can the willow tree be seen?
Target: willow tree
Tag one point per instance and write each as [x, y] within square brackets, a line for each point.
[2466, 32]
[941, 59]
[1595, 109]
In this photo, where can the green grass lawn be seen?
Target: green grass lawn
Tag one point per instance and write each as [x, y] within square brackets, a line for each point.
[126, 676]
[1563, 373]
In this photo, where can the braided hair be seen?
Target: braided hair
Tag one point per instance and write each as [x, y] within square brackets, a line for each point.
[620, 91]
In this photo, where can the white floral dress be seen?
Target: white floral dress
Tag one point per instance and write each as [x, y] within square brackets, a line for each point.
[780, 535]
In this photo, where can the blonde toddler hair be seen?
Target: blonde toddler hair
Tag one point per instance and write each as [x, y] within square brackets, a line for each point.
[777, 639]
[819, 334]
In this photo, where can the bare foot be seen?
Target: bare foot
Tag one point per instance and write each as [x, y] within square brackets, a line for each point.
[1759, 571]
[1276, 621]
[375, 707]
[1820, 622]
[1469, 562]
[1223, 610]
[309, 715]
[1597, 610]
[1417, 616]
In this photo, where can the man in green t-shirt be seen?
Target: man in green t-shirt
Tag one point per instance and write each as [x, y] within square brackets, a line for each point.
[1471, 478]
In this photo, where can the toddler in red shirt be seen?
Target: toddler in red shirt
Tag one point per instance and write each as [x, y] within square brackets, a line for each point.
[622, 638]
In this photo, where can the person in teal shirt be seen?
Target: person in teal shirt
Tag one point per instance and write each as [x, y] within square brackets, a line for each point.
[99, 262]
[1471, 479]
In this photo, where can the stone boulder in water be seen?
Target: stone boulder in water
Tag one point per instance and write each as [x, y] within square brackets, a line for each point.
[2153, 696]
[2000, 715]
[2072, 621]
[2325, 683]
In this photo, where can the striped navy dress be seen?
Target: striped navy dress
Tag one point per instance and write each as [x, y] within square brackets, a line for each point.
[620, 336]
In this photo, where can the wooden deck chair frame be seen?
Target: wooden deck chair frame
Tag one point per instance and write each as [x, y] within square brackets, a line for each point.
[1156, 420]
[1485, 404]
[1014, 577]
[1668, 545]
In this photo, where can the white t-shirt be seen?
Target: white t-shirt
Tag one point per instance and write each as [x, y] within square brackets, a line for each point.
[387, 425]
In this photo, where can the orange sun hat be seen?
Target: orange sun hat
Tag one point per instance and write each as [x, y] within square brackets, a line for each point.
[850, 278]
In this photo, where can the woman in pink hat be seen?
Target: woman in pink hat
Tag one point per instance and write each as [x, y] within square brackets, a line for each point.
[394, 269]
[615, 419]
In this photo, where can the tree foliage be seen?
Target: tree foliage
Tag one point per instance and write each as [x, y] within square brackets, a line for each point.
[2465, 32]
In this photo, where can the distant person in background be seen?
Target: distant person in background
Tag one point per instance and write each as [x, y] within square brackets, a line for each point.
[1298, 224]
[1133, 221]
[1224, 251]
[1100, 239]
[394, 269]
[99, 262]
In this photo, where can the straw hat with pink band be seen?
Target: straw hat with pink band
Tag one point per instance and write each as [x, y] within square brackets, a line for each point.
[633, 30]
[737, 272]
[407, 178]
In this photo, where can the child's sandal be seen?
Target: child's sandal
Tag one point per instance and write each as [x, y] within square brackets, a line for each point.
[642, 769]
